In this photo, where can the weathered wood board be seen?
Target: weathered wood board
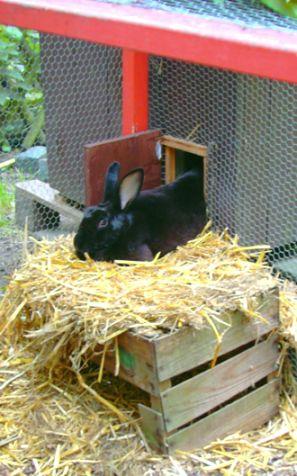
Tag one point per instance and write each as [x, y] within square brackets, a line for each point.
[245, 414]
[153, 428]
[196, 396]
[137, 362]
[188, 348]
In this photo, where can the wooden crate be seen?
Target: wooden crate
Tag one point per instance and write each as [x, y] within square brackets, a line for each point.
[193, 404]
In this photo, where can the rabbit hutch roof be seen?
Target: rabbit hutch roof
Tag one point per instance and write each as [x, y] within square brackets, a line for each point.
[247, 41]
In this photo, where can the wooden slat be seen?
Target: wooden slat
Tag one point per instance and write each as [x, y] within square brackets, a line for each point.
[169, 165]
[43, 193]
[137, 362]
[188, 348]
[153, 428]
[245, 414]
[131, 151]
[186, 146]
[207, 390]
[156, 402]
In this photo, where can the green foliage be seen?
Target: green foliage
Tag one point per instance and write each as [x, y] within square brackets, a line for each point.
[21, 100]
[6, 204]
[284, 7]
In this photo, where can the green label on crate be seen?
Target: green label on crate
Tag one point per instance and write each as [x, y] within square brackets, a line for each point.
[127, 359]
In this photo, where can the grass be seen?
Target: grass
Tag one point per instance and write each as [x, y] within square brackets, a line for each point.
[7, 197]
[6, 204]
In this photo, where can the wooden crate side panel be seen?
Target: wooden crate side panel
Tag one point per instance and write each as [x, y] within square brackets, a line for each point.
[153, 428]
[207, 390]
[188, 348]
[137, 362]
[245, 414]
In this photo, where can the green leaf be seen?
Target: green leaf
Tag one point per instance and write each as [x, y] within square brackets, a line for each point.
[4, 97]
[34, 97]
[34, 130]
[14, 74]
[14, 33]
[6, 148]
[20, 101]
[284, 7]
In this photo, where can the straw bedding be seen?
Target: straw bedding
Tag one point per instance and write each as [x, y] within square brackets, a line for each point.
[57, 419]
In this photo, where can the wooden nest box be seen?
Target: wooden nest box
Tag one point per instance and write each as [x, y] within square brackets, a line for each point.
[193, 401]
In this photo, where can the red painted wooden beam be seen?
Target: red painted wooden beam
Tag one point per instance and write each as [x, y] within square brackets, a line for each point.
[221, 44]
[135, 92]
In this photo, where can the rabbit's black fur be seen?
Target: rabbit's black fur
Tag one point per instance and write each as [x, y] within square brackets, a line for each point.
[135, 226]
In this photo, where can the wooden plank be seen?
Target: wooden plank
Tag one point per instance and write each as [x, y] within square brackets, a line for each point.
[245, 414]
[186, 146]
[207, 390]
[188, 348]
[205, 177]
[169, 165]
[153, 428]
[131, 151]
[43, 193]
[156, 402]
[137, 362]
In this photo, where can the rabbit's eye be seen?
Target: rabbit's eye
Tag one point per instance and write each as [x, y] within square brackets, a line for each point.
[103, 223]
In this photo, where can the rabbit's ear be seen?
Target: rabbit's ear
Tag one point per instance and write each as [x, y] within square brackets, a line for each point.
[130, 187]
[111, 182]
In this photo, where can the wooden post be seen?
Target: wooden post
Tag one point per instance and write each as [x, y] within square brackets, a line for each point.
[135, 92]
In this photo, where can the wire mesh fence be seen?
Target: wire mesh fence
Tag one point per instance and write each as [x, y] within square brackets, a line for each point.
[250, 128]
[58, 94]
[244, 12]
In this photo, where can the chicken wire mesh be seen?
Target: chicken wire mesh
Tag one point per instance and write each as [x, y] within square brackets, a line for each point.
[250, 128]
[244, 12]
[59, 93]
[74, 97]
[82, 85]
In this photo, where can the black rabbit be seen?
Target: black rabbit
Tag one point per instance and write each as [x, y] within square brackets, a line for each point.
[135, 226]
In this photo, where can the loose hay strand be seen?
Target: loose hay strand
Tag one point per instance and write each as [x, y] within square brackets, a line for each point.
[101, 400]
[57, 310]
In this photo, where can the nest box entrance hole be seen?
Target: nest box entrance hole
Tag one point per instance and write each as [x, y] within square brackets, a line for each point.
[181, 156]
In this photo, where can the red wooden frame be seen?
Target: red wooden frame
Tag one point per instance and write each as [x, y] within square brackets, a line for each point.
[135, 92]
[222, 44]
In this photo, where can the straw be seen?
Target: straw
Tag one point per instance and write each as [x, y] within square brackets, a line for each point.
[66, 307]
[61, 415]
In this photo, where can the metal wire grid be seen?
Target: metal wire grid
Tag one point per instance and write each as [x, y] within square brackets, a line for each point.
[250, 127]
[244, 12]
[82, 88]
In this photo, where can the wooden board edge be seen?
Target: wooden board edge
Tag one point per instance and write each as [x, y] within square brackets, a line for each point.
[137, 361]
[184, 145]
[152, 426]
[43, 193]
[245, 414]
[126, 136]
